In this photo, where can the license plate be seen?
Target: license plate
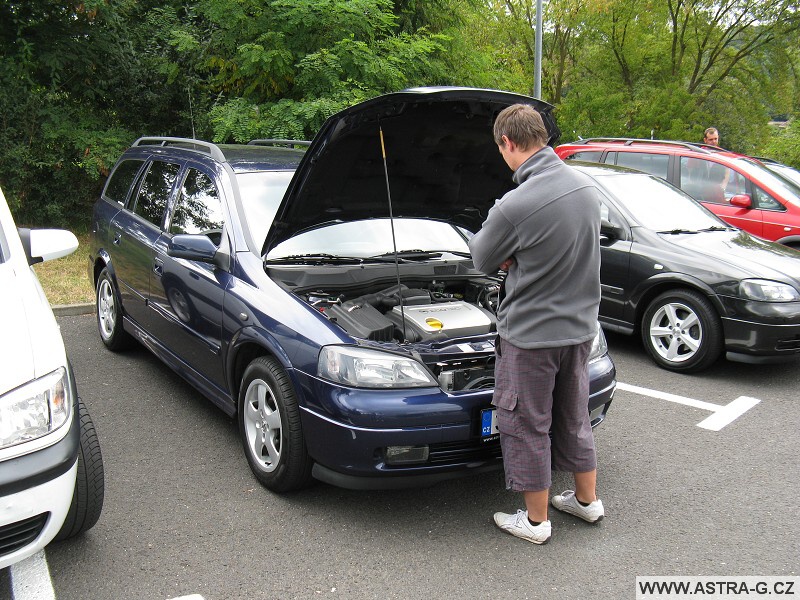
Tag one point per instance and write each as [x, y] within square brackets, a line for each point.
[489, 428]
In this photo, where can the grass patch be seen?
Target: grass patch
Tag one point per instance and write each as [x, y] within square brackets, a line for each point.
[65, 280]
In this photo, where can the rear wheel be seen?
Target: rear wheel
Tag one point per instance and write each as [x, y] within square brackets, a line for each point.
[87, 499]
[109, 314]
[682, 332]
[270, 428]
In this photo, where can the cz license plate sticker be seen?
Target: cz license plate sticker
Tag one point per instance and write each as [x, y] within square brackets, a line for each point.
[489, 429]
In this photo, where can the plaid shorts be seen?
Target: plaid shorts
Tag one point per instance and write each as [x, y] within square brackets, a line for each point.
[538, 391]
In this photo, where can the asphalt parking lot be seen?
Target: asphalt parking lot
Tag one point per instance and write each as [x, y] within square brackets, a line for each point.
[183, 515]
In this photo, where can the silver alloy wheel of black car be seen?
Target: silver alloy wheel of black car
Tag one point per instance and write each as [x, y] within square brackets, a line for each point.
[681, 331]
[109, 314]
[269, 424]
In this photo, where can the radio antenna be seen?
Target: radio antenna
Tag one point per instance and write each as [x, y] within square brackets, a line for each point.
[394, 238]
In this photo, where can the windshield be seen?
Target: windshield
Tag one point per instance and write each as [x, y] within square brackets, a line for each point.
[655, 204]
[373, 237]
[763, 176]
[262, 193]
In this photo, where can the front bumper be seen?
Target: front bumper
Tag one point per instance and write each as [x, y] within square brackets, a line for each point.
[349, 449]
[21, 533]
[36, 493]
[761, 331]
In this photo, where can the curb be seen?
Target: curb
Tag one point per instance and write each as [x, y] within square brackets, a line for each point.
[69, 310]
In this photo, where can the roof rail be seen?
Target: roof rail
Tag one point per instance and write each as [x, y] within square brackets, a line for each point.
[189, 144]
[278, 142]
[705, 148]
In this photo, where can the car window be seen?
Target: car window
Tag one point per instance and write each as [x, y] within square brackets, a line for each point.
[198, 209]
[655, 204]
[373, 237]
[120, 181]
[587, 155]
[155, 191]
[763, 177]
[709, 181]
[655, 164]
[764, 200]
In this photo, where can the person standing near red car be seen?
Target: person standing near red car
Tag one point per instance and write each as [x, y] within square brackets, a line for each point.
[545, 233]
[711, 136]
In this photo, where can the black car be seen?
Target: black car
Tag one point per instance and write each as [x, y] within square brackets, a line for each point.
[327, 297]
[692, 285]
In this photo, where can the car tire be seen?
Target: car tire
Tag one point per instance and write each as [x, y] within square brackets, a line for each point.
[108, 309]
[682, 332]
[270, 428]
[87, 499]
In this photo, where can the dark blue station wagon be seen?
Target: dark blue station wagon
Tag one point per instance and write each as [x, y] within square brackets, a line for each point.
[327, 297]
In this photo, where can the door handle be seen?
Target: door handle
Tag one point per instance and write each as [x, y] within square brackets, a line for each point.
[158, 267]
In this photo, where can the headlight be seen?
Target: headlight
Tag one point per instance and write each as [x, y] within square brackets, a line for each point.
[35, 409]
[599, 345]
[366, 368]
[767, 291]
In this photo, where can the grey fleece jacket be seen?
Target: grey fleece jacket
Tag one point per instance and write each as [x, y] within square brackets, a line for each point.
[550, 225]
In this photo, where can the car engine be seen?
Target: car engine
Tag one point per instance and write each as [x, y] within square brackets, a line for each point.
[402, 314]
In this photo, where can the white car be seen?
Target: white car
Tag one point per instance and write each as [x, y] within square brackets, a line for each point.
[51, 469]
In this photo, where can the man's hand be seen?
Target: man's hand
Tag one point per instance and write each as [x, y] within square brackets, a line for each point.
[506, 264]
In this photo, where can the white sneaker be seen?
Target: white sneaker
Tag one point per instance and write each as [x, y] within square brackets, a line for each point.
[519, 526]
[568, 503]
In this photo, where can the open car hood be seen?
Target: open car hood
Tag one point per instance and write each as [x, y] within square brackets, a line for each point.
[441, 160]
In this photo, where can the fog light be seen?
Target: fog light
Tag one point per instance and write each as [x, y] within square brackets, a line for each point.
[404, 455]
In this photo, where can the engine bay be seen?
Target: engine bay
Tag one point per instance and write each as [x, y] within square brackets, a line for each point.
[443, 314]
[439, 311]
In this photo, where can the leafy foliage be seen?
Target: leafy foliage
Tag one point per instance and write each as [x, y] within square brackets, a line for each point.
[82, 79]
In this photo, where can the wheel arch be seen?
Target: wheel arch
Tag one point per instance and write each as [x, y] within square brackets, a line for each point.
[102, 261]
[251, 343]
[793, 241]
[658, 285]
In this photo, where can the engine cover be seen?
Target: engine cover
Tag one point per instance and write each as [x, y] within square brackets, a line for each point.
[443, 320]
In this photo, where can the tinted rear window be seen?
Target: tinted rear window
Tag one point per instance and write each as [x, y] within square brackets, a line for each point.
[155, 191]
[655, 164]
[587, 155]
[120, 181]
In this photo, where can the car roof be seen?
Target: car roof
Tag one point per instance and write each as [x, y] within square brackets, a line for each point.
[257, 155]
[659, 146]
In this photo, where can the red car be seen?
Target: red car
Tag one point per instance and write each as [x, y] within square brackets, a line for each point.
[737, 188]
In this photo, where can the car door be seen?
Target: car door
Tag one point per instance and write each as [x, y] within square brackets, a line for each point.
[186, 296]
[615, 248]
[134, 232]
[780, 219]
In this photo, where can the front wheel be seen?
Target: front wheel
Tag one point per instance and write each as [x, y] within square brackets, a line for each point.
[270, 428]
[682, 332]
[87, 498]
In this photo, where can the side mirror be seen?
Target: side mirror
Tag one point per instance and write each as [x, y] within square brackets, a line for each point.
[46, 244]
[192, 247]
[610, 231]
[742, 201]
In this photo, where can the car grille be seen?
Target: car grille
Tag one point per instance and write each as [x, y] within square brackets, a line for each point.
[789, 344]
[463, 452]
[17, 535]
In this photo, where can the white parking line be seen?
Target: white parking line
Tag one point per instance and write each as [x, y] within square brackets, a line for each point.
[722, 415]
[30, 579]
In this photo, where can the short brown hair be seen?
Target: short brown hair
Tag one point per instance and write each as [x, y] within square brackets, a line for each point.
[522, 124]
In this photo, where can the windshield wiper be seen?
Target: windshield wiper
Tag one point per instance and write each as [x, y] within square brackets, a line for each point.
[679, 231]
[424, 254]
[717, 228]
[325, 259]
